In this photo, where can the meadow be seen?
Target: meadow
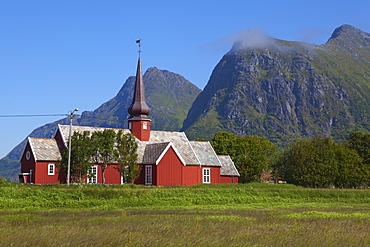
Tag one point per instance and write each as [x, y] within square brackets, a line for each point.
[202, 215]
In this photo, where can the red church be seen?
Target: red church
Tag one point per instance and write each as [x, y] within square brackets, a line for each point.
[166, 158]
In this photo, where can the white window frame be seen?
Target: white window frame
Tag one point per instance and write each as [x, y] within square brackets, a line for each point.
[31, 174]
[148, 175]
[206, 175]
[145, 125]
[51, 169]
[93, 180]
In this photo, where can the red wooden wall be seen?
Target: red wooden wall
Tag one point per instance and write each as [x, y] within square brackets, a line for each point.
[215, 174]
[112, 176]
[141, 178]
[228, 180]
[138, 130]
[170, 170]
[27, 165]
[192, 175]
[41, 173]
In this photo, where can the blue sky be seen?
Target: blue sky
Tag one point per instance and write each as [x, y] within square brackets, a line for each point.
[58, 55]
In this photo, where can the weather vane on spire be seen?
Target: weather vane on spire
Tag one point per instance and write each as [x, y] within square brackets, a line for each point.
[139, 42]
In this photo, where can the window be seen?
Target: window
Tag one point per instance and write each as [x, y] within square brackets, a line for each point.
[145, 125]
[51, 169]
[148, 175]
[207, 175]
[129, 125]
[93, 175]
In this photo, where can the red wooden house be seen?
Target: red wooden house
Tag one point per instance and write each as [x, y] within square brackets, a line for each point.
[167, 158]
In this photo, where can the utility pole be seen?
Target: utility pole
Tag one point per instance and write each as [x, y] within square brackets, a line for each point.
[69, 145]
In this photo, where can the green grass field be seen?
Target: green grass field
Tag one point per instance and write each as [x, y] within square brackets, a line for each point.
[212, 215]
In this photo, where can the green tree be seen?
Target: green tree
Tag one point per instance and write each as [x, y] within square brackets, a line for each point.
[127, 156]
[251, 154]
[81, 153]
[225, 143]
[318, 162]
[360, 142]
[104, 149]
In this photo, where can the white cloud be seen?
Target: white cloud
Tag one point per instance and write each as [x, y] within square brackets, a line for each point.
[252, 39]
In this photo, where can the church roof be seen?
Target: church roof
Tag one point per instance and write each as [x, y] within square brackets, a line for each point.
[179, 141]
[64, 130]
[44, 149]
[228, 167]
[149, 152]
[205, 153]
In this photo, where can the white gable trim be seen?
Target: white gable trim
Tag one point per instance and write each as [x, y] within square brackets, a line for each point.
[61, 133]
[32, 149]
[170, 144]
[24, 149]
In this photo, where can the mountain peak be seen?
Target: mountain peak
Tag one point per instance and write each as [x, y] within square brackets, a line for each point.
[347, 33]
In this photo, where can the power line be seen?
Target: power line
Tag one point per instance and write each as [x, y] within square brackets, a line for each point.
[56, 115]
[37, 115]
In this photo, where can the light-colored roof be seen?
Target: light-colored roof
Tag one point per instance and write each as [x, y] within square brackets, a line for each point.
[64, 130]
[228, 167]
[149, 152]
[205, 153]
[44, 149]
[178, 139]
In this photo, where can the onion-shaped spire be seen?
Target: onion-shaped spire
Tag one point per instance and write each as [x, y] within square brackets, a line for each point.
[139, 107]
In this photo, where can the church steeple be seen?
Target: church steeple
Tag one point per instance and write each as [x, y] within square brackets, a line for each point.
[138, 122]
[139, 107]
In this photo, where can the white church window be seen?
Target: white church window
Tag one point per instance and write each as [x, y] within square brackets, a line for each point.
[206, 175]
[51, 169]
[93, 175]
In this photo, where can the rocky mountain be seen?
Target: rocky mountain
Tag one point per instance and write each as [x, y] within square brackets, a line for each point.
[283, 90]
[169, 96]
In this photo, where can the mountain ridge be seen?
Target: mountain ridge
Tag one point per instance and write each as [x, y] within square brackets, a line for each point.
[286, 89]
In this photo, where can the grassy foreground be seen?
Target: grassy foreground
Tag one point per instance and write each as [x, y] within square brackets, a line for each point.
[213, 215]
